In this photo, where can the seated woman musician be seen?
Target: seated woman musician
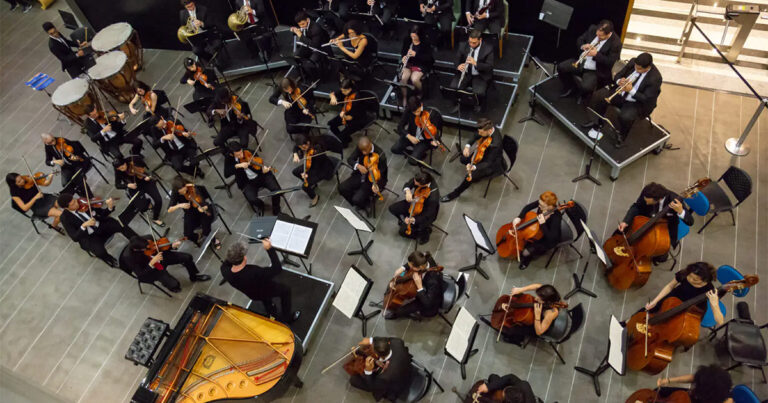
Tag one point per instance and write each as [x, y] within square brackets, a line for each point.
[352, 117]
[298, 102]
[149, 99]
[133, 175]
[710, 384]
[422, 270]
[203, 80]
[694, 280]
[198, 209]
[26, 195]
[503, 389]
[549, 225]
[314, 166]
[545, 312]
[422, 189]
[236, 118]
[418, 133]
[354, 45]
[417, 60]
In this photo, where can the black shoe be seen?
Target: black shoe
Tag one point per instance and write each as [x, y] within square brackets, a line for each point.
[589, 124]
[477, 109]
[314, 201]
[424, 238]
[388, 314]
[296, 315]
[175, 290]
[112, 263]
[26, 8]
[200, 173]
[579, 100]
[15, 6]
[619, 143]
[448, 197]
[566, 93]
[200, 278]
[522, 266]
[657, 260]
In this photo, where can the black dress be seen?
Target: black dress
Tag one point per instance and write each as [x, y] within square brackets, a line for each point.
[41, 207]
[684, 291]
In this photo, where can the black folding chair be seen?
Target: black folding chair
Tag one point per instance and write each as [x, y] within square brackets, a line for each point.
[509, 145]
[738, 182]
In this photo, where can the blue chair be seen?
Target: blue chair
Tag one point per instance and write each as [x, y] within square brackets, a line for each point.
[726, 274]
[708, 321]
[743, 394]
[682, 229]
[698, 203]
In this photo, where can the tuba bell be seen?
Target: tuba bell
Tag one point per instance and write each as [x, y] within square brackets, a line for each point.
[237, 19]
[185, 31]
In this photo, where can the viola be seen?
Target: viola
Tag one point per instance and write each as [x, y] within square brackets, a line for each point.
[136, 171]
[429, 129]
[517, 310]
[371, 162]
[158, 245]
[256, 163]
[526, 231]
[66, 150]
[86, 204]
[479, 154]
[356, 364]
[420, 195]
[677, 323]
[473, 396]
[404, 288]
[179, 130]
[647, 237]
[147, 99]
[652, 396]
[194, 198]
[37, 179]
[348, 99]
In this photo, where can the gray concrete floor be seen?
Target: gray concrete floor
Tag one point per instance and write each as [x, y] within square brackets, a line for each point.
[66, 319]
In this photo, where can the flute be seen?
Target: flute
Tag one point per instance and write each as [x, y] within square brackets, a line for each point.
[334, 41]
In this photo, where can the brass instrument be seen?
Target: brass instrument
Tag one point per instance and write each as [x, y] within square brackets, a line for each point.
[185, 31]
[630, 80]
[237, 20]
[583, 56]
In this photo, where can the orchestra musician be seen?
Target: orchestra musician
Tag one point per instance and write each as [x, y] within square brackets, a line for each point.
[150, 265]
[385, 9]
[201, 19]
[73, 161]
[251, 175]
[73, 62]
[416, 61]
[313, 168]
[420, 224]
[483, 157]
[653, 199]
[549, 225]
[298, 102]
[351, 119]
[133, 175]
[201, 79]
[492, 19]
[429, 284]
[354, 45]
[512, 389]
[599, 49]
[367, 161]
[236, 119]
[709, 384]
[91, 227]
[438, 12]
[177, 144]
[640, 85]
[198, 209]
[33, 199]
[413, 139]
[341, 7]
[257, 282]
[474, 67]
[255, 39]
[311, 34]
[387, 375]
[149, 99]
[543, 317]
[108, 132]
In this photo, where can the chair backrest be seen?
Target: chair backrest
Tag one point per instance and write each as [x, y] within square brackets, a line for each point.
[576, 215]
[726, 273]
[575, 320]
[373, 46]
[371, 105]
[682, 229]
[738, 181]
[708, 320]
[560, 327]
[436, 117]
[331, 143]
[742, 312]
[450, 293]
[743, 394]
[698, 203]
[418, 387]
[17, 208]
[509, 145]
[122, 263]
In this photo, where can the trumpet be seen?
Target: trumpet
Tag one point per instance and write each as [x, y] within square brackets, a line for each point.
[583, 55]
[630, 80]
[185, 31]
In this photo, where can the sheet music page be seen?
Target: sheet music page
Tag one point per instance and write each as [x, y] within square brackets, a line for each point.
[616, 353]
[356, 222]
[299, 239]
[458, 340]
[599, 250]
[281, 233]
[477, 233]
[349, 293]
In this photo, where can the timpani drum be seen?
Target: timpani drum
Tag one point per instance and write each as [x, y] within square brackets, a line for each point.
[73, 98]
[120, 36]
[113, 75]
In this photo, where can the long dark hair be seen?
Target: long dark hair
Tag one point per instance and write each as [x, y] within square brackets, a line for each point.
[711, 384]
[10, 179]
[704, 270]
[548, 294]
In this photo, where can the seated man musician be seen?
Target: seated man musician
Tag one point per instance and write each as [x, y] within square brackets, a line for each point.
[155, 267]
[255, 33]
[416, 60]
[203, 80]
[309, 33]
[429, 284]
[236, 119]
[73, 62]
[599, 49]
[342, 7]
[485, 14]
[298, 102]
[73, 161]
[709, 384]
[367, 161]
[414, 139]
[353, 115]
[108, 132]
[386, 10]
[438, 12]
[638, 88]
[257, 282]
[198, 208]
[483, 157]
[198, 16]
[178, 145]
[422, 189]
[549, 226]
[387, 376]
[91, 228]
[314, 166]
[251, 175]
[133, 175]
[474, 67]
[505, 389]
[41, 204]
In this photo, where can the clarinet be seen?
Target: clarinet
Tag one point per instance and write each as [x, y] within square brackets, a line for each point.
[467, 67]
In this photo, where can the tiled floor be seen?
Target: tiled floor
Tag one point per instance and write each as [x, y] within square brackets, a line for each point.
[66, 320]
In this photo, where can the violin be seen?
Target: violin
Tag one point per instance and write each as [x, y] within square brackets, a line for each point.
[107, 118]
[652, 396]
[527, 230]
[404, 288]
[201, 77]
[86, 204]
[371, 162]
[473, 396]
[179, 130]
[517, 310]
[479, 154]
[66, 150]
[429, 129]
[194, 198]
[655, 336]
[647, 237]
[158, 245]
[37, 179]
[147, 99]
[348, 99]
[254, 162]
[308, 164]
[356, 364]
[298, 98]
[420, 195]
[136, 171]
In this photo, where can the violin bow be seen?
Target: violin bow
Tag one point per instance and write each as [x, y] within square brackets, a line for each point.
[87, 198]
[31, 175]
[504, 319]
[352, 350]
[646, 332]
[301, 93]
[71, 180]
[355, 100]
[517, 249]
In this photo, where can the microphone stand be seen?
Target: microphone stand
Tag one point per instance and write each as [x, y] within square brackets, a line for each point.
[587, 174]
[532, 102]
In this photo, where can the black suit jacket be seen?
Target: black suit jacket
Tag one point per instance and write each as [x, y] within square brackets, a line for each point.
[443, 6]
[52, 154]
[493, 158]
[252, 279]
[484, 60]
[202, 15]
[72, 223]
[169, 149]
[650, 89]
[606, 57]
[431, 296]
[357, 157]
[358, 109]
[431, 205]
[93, 129]
[241, 178]
[550, 230]
[495, 8]
[496, 383]
[70, 62]
[640, 207]
[315, 37]
[391, 382]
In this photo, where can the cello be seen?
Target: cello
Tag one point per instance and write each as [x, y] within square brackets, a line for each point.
[648, 237]
[517, 310]
[654, 336]
[652, 396]
[404, 288]
[526, 231]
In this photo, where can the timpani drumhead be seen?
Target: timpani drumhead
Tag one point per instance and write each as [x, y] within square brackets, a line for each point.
[108, 65]
[111, 37]
[70, 92]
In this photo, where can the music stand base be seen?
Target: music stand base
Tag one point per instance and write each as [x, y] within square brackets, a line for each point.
[533, 118]
[733, 147]
[463, 365]
[577, 288]
[595, 375]
[476, 266]
[363, 251]
[364, 318]
[588, 177]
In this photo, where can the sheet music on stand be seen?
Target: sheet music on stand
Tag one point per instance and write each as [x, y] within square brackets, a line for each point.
[462, 337]
[617, 350]
[287, 234]
[598, 250]
[479, 235]
[352, 292]
[353, 219]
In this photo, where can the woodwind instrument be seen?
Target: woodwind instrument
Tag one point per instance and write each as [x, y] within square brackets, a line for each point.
[463, 73]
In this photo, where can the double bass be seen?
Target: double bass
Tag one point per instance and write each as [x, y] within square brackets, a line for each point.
[404, 288]
[655, 336]
[517, 310]
[647, 237]
[652, 396]
[527, 230]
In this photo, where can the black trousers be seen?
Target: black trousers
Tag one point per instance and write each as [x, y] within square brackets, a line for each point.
[95, 243]
[112, 147]
[165, 278]
[357, 193]
[313, 178]
[280, 291]
[234, 129]
[418, 150]
[476, 84]
[171, 258]
[178, 159]
[193, 220]
[292, 117]
[566, 73]
[15, 2]
[256, 42]
[493, 25]
[344, 132]
[629, 112]
[149, 189]
[464, 185]
[408, 309]
[251, 191]
[77, 186]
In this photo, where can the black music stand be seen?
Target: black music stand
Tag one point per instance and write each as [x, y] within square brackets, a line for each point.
[615, 356]
[351, 295]
[396, 86]
[206, 155]
[556, 14]
[482, 244]
[282, 193]
[460, 97]
[595, 249]
[423, 165]
[358, 223]
[461, 339]
[289, 236]
[532, 101]
[595, 142]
